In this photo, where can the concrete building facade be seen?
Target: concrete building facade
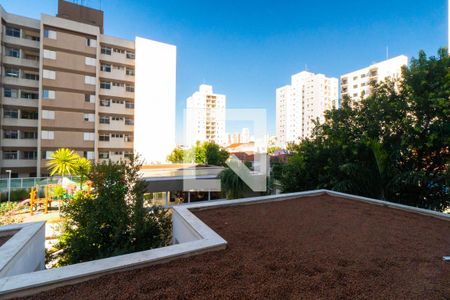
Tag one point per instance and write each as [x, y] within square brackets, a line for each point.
[357, 84]
[66, 84]
[297, 105]
[205, 117]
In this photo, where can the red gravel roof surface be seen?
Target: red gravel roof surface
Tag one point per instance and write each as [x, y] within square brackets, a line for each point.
[308, 248]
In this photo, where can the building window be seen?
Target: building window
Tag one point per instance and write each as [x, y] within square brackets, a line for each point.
[88, 136]
[12, 72]
[118, 84]
[117, 118]
[129, 105]
[130, 71]
[116, 135]
[29, 155]
[48, 114]
[105, 85]
[10, 92]
[106, 51]
[47, 94]
[12, 31]
[128, 138]
[91, 43]
[29, 115]
[104, 120]
[89, 155]
[89, 98]
[89, 117]
[10, 113]
[118, 153]
[117, 102]
[47, 135]
[11, 134]
[105, 68]
[104, 137]
[90, 80]
[48, 74]
[48, 154]
[12, 52]
[29, 135]
[130, 54]
[50, 34]
[105, 102]
[49, 54]
[130, 88]
[117, 50]
[90, 61]
[103, 155]
[29, 95]
[31, 76]
[9, 155]
[129, 121]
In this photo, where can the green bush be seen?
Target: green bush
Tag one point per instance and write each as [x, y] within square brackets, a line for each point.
[8, 213]
[113, 220]
[16, 195]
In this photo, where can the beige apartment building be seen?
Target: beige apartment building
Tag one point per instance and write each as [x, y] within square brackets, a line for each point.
[357, 84]
[64, 84]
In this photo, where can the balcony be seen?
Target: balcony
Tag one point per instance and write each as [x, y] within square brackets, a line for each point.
[116, 91]
[19, 122]
[115, 57]
[116, 126]
[21, 62]
[20, 102]
[19, 143]
[117, 75]
[18, 163]
[115, 108]
[28, 43]
[21, 82]
[115, 143]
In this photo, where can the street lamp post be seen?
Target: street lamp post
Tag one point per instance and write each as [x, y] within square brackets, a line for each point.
[9, 184]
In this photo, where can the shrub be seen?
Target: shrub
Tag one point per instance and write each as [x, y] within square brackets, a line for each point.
[112, 220]
[8, 214]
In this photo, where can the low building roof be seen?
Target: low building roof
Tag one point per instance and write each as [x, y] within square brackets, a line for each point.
[311, 247]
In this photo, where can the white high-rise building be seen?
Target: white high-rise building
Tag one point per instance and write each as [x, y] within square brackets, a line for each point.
[245, 135]
[306, 99]
[205, 117]
[356, 84]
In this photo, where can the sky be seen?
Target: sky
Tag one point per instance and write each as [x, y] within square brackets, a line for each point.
[247, 48]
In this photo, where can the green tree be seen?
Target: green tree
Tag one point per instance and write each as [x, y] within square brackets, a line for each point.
[82, 168]
[206, 153]
[214, 154]
[112, 220]
[177, 155]
[63, 162]
[392, 145]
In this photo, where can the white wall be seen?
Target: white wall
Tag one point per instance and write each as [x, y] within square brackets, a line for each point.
[155, 88]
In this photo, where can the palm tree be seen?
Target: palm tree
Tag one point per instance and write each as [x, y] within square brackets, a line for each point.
[83, 168]
[63, 162]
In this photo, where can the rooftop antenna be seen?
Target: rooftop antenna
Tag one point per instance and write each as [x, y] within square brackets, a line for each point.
[387, 52]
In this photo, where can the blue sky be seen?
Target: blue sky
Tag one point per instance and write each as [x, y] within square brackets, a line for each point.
[248, 48]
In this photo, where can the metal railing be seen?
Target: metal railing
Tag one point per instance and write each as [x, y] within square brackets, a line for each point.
[29, 182]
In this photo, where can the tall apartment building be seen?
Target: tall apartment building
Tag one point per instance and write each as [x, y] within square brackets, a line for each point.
[66, 84]
[306, 99]
[205, 117]
[357, 84]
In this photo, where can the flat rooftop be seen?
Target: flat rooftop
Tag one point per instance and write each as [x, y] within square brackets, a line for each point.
[311, 247]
